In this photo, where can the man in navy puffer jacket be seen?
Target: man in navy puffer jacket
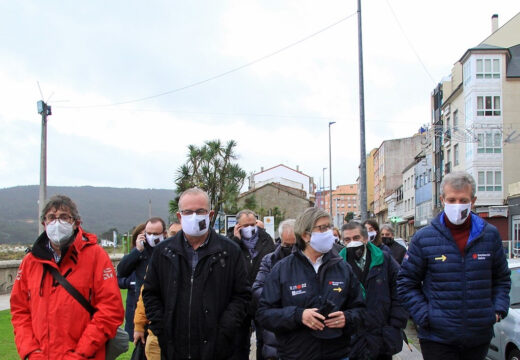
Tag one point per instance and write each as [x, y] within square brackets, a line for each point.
[454, 280]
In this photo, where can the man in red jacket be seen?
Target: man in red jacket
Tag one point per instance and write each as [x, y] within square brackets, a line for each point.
[48, 322]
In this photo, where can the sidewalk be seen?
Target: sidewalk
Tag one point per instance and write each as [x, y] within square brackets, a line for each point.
[4, 302]
[406, 354]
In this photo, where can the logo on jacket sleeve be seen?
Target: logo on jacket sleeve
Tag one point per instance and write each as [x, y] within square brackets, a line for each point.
[19, 274]
[298, 289]
[108, 274]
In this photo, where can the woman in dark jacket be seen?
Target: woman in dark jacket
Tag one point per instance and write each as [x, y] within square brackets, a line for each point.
[311, 299]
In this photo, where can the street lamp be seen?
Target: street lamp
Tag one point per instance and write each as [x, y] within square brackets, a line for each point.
[44, 110]
[330, 169]
[323, 186]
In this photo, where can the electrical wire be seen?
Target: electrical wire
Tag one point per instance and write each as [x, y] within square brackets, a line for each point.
[410, 42]
[238, 68]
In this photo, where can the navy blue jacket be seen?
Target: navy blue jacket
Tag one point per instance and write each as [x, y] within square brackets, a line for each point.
[270, 344]
[453, 298]
[386, 316]
[131, 301]
[135, 261]
[293, 286]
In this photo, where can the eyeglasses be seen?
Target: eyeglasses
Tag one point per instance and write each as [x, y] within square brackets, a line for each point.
[63, 218]
[323, 228]
[191, 212]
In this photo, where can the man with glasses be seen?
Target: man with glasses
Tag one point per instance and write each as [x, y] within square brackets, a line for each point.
[195, 291]
[377, 271]
[48, 322]
[137, 260]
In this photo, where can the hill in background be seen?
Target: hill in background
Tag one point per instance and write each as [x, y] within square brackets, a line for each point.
[100, 208]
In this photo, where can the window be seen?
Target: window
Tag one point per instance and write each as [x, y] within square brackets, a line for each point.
[455, 120]
[489, 181]
[448, 155]
[488, 68]
[456, 155]
[488, 105]
[412, 203]
[467, 72]
[489, 142]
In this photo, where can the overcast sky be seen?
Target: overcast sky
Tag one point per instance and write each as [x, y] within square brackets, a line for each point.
[88, 56]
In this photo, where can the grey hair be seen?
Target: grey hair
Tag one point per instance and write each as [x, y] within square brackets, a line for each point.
[284, 225]
[245, 212]
[194, 191]
[353, 225]
[388, 227]
[459, 180]
[305, 222]
[60, 202]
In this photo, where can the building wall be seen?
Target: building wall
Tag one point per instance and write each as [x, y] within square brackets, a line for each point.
[370, 180]
[511, 123]
[269, 197]
[507, 35]
[285, 176]
[423, 191]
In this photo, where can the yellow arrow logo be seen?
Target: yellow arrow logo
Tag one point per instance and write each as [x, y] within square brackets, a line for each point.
[441, 258]
[338, 289]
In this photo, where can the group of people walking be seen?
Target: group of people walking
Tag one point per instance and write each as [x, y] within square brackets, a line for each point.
[311, 294]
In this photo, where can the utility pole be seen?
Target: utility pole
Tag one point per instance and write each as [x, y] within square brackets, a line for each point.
[363, 165]
[44, 110]
[149, 208]
[330, 170]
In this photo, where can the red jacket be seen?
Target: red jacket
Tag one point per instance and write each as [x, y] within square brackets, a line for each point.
[46, 317]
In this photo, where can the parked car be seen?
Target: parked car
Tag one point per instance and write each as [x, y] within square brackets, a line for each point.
[505, 345]
[401, 242]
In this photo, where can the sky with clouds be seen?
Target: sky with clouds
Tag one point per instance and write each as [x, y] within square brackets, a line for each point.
[89, 56]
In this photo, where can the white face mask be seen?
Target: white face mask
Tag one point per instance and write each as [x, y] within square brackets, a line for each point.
[249, 231]
[372, 235]
[457, 213]
[153, 240]
[195, 225]
[322, 242]
[58, 232]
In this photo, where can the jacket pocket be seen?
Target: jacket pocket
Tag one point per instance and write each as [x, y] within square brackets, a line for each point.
[392, 340]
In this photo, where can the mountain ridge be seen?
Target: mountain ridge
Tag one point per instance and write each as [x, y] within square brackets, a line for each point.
[101, 209]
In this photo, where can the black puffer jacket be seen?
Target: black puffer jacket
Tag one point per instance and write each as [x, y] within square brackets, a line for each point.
[221, 274]
[293, 286]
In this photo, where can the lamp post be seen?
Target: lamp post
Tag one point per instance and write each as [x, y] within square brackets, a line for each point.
[330, 169]
[44, 110]
[363, 165]
[323, 185]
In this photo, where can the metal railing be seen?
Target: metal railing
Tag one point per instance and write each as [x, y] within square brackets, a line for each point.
[511, 248]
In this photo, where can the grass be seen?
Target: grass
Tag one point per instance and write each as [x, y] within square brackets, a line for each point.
[8, 348]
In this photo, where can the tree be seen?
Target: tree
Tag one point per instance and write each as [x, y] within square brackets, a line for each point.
[349, 216]
[211, 168]
[250, 203]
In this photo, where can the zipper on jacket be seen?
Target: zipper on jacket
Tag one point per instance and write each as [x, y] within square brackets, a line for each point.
[189, 314]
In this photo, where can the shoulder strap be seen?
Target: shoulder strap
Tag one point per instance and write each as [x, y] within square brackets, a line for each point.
[71, 289]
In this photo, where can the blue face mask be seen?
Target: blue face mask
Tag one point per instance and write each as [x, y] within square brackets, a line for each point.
[322, 241]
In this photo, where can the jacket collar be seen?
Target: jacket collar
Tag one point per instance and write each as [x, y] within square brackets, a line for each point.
[376, 255]
[176, 243]
[477, 226]
[82, 239]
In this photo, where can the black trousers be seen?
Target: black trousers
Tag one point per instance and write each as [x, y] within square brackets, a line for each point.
[434, 351]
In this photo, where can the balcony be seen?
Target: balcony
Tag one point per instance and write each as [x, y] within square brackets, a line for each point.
[447, 167]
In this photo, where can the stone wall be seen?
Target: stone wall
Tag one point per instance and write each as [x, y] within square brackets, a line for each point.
[9, 268]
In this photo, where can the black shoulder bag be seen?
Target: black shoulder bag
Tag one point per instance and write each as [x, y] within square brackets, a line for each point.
[115, 346]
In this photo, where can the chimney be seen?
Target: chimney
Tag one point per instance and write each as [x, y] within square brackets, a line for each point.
[297, 167]
[494, 23]
[261, 168]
